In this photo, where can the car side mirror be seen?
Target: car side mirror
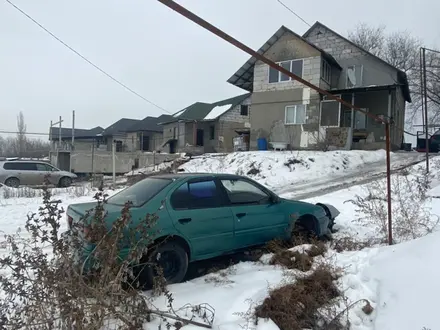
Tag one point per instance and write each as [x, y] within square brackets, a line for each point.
[274, 199]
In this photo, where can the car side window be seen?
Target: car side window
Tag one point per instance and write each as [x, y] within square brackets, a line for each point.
[10, 166]
[244, 192]
[196, 195]
[20, 166]
[43, 167]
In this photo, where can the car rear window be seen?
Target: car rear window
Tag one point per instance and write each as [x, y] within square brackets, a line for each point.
[140, 193]
[17, 166]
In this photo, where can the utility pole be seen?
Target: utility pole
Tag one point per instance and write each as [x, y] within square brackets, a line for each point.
[114, 163]
[425, 103]
[73, 128]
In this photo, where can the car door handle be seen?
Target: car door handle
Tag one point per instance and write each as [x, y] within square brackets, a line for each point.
[184, 220]
[240, 215]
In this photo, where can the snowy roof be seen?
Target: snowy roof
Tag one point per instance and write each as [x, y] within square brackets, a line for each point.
[217, 111]
[207, 111]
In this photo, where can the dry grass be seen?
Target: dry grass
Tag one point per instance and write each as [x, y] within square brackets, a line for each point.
[296, 306]
[28, 192]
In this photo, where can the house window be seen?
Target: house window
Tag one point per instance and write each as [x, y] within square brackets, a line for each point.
[354, 76]
[330, 114]
[294, 66]
[118, 146]
[212, 132]
[296, 114]
[244, 110]
[326, 72]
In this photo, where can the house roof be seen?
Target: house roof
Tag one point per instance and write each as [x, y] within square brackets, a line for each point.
[200, 111]
[149, 124]
[122, 125]
[244, 77]
[401, 76]
[66, 133]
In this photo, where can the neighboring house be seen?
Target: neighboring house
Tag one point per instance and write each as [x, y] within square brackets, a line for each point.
[285, 111]
[118, 132]
[83, 139]
[207, 127]
[64, 144]
[147, 134]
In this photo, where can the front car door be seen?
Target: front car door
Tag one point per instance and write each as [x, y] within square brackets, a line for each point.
[258, 218]
[201, 215]
[45, 172]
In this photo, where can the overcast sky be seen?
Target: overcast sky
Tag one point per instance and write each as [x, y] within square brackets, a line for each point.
[158, 53]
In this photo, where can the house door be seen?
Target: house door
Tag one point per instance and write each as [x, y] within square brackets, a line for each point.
[199, 138]
[173, 146]
[145, 143]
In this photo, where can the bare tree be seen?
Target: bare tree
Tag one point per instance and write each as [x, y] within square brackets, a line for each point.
[401, 49]
[21, 134]
[371, 39]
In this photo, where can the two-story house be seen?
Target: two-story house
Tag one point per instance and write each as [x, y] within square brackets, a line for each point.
[284, 110]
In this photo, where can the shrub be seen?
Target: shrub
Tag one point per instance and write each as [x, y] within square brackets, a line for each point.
[47, 284]
[411, 216]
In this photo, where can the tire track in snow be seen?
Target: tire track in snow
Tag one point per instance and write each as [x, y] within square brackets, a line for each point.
[375, 171]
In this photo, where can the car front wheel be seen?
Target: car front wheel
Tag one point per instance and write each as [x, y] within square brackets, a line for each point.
[65, 182]
[170, 259]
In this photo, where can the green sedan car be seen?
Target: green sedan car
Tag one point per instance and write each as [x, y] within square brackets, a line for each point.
[201, 216]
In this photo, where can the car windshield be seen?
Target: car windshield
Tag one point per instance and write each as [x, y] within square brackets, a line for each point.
[139, 193]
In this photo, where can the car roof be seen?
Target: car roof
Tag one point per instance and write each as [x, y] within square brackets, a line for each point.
[193, 175]
[23, 161]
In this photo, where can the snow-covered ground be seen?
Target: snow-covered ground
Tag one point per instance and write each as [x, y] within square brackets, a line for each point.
[400, 281]
[301, 172]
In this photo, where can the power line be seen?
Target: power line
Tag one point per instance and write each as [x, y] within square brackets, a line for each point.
[85, 58]
[25, 133]
[294, 13]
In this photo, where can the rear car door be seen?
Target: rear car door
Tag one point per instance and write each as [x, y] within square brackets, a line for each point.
[200, 214]
[258, 218]
[26, 172]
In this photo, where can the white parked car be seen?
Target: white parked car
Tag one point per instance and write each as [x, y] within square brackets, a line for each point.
[14, 173]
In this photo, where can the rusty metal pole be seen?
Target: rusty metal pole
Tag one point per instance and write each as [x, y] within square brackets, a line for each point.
[206, 25]
[388, 160]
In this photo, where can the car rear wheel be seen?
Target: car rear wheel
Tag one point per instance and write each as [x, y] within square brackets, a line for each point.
[65, 182]
[170, 258]
[12, 182]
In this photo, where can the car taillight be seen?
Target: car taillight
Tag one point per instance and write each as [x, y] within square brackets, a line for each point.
[69, 221]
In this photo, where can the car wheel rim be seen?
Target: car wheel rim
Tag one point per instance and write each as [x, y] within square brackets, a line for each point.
[169, 263]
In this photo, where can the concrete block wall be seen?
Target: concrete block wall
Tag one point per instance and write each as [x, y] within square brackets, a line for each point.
[234, 114]
[375, 72]
[334, 45]
[101, 162]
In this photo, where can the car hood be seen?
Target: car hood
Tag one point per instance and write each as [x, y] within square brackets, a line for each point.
[69, 174]
[305, 208]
